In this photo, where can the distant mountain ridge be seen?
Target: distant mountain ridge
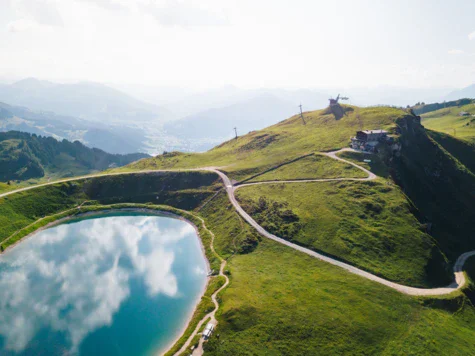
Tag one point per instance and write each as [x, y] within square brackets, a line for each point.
[467, 92]
[24, 156]
[91, 101]
[247, 115]
[110, 138]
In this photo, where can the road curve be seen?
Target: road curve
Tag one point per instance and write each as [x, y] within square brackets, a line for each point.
[230, 189]
[459, 275]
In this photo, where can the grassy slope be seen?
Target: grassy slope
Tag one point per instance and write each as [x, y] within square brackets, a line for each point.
[259, 150]
[462, 150]
[282, 302]
[24, 157]
[365, 223]
[439, 185]
[180, 190]
[377, 165]
[314, 166]
[448, 121]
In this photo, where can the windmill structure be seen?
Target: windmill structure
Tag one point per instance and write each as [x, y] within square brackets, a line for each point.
[336, 109]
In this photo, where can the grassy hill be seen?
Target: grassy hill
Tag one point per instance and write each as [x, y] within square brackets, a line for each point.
[24, 156]
[407, 225]
[364, 223]
[279, 301]
[311, 167]
[423, 108]
[282, 302]
[287, 140]
[436, 194]
[449, 121]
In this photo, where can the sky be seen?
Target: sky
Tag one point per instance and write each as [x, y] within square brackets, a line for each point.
[248, 43]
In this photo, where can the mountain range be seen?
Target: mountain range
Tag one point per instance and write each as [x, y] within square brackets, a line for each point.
[103, 117]
[248, 115]
[24, 156]
[91, 101]
[114, 138]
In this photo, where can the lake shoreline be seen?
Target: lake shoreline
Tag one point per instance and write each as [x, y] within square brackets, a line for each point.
[154, 212]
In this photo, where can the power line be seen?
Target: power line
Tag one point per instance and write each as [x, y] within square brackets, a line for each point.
[301, 114]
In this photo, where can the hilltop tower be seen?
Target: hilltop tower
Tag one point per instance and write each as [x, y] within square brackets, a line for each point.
[336, 109]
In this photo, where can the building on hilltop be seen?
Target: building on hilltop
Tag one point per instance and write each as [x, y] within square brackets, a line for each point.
[368, 140]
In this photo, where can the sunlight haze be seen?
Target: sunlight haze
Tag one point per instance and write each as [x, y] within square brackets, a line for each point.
[250, 44]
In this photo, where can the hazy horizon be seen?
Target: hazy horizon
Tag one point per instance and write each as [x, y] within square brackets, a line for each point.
[266, 44]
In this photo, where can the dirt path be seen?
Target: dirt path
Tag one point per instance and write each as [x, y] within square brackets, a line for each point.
[212, 315]
[459, 275]
[230, 189]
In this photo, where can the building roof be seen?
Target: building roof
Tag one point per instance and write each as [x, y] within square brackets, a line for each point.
[375, 131]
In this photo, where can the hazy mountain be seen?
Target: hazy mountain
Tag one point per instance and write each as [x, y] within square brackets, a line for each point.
[467, 92]
[111, 138]
[248, 115]
[25, 156]
[389, 95]
[91, 101]
[229, 95]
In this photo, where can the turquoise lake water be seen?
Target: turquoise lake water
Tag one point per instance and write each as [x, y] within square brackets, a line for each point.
[118, 284]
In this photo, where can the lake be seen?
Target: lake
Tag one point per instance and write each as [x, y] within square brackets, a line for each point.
[114, 284]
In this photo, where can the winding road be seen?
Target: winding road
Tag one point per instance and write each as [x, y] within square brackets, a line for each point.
[230, 189]
[458, 272]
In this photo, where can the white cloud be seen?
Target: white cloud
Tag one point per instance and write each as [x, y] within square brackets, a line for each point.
[80, 291]
[44, 12]
[108, 4]
[180, 13]
[20, 25]
[456, 51]
[471, 36]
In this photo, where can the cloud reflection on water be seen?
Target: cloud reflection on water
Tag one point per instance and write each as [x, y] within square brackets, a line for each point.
[73, 278]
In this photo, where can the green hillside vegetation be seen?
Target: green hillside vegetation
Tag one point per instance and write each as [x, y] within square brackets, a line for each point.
[422, 108]
[462, 150]
[448, 121]
[285, 141]
[364, 223]
[279, 300]
[4, 187]
[311, 167]
[376, 164]
[184, 190]
[440, 187]
[24, 156]
[282, 302]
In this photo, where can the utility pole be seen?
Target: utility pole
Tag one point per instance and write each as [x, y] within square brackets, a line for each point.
[301, 114]
[235, 131]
